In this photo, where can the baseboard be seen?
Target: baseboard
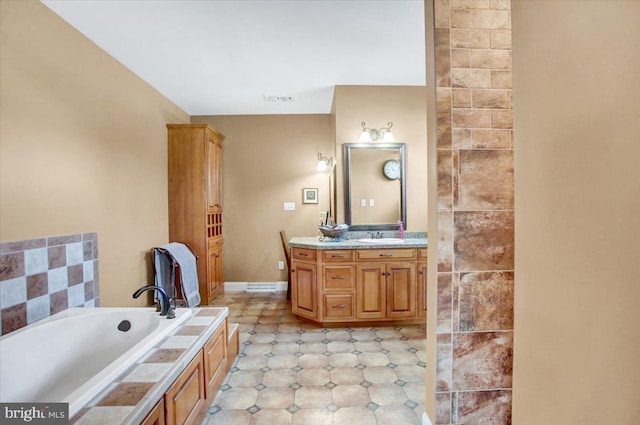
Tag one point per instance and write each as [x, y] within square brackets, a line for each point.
[255, 286]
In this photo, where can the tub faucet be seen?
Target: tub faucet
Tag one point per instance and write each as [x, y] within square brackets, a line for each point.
[165, 302]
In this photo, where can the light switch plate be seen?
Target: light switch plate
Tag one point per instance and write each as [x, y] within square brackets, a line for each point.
[363, 202]
[289, 206]
[372, 202]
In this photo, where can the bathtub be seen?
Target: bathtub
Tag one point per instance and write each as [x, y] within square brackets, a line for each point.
[71, 356]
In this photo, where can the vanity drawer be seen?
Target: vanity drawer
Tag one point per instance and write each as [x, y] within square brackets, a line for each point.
[335, 255]
[338, 278]
[386, 254]
[338, 306]
[303, 254]
[422, 254]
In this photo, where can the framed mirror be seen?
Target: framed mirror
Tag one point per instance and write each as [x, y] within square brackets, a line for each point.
[374, 185]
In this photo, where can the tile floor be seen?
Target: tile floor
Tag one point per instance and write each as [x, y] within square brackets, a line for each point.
[294, 373]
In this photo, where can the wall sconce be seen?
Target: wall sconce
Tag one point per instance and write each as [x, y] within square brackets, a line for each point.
[325, 163]
[372, 134]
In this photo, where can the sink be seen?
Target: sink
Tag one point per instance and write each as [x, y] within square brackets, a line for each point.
[382, 241]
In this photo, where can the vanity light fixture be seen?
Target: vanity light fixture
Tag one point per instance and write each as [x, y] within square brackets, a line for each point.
[325, 163]
[372, 134]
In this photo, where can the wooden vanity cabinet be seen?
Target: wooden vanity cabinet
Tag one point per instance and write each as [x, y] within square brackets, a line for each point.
[359, 285]
[214, 355]
[195, 199]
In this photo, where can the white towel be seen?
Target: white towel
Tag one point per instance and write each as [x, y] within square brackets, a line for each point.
[188, 271]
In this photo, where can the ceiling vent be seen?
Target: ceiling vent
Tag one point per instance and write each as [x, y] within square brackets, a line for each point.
[273, 98]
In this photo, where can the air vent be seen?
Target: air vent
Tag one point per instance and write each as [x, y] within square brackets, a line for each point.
[274, 98]
[261, 287]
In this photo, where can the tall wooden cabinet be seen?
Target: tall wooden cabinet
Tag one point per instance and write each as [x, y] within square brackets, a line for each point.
[195, 200]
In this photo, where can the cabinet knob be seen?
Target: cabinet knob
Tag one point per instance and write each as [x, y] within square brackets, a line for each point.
[421, 272]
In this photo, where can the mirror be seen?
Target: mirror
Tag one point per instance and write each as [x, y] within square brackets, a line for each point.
[375, 185]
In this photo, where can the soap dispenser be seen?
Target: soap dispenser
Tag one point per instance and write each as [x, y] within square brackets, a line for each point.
[400, 229]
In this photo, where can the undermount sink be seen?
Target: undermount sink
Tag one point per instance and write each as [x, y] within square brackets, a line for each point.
[382, 241]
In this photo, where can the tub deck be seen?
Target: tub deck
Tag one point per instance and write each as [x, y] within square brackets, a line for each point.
[130, 398]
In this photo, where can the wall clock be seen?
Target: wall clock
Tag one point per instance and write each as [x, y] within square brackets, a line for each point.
[391, 169]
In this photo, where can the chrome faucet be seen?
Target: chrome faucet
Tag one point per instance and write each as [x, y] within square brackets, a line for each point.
[376, 235]
[165, 301]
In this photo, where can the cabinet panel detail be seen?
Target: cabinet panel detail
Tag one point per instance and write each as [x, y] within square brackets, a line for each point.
[336, 278]
[185, 397]
[370, 293]
[330, 256]
[421, 297]
[385, 254]
[215, 361]
[401, 292]
[304, 289]
[338, 306]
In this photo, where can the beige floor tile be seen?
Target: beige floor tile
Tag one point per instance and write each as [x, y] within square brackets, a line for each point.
[379, 375]
[313, 417]
[368, 346]
[416, 391]
[245, 378]
[374, 359]
[340, 347]
[388, 333]
[387, 395]
[262, 338]
[252, 362]
[279, 378]
[395, 345]
[237, 398]
[403, 358]
[397, 415]
[410, 373]
[286, 348]
[313, 377]
[313, 397]
[287, 337]
[272, 417]
[350, 395]
[313, 361]
[313, 347]
[313, 336]
[338, 335]
[343, 360]
[275, 398]
[363, 335]
[283, 361]
[256, 349]
[229, 417]
[346, 376]
[355, 416]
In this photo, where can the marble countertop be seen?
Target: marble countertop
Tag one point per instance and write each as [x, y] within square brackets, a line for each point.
[314, 243]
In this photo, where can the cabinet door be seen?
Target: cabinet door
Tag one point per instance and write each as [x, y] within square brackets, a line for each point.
[304, 289]
[215, 270]
[215, 361]
[401, 290]
[185, 397]
[422, 289]
[370, 291]
[214, 173]
[156, 416]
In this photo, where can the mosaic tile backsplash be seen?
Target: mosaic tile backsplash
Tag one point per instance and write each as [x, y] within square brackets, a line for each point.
[41, 277]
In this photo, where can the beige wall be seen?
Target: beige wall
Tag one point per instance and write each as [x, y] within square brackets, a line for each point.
[82, 146]
[268, 160]
[377, 105]
[577, 326]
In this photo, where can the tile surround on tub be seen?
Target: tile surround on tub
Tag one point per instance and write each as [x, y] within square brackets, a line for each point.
[41, 277]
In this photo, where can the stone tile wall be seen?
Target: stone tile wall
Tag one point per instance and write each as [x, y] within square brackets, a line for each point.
[40, 277]
[475, 212]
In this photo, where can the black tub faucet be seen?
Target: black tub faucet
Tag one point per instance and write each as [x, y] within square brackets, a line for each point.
[165, 302]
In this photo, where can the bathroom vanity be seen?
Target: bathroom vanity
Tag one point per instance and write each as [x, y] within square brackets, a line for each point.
[337, 283]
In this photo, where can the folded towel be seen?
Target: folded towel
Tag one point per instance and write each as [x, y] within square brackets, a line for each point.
[188, 272]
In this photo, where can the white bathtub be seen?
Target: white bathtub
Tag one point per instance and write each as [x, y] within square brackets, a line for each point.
[71, 356]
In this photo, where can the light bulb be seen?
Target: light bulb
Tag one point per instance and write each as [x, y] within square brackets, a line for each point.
[322, 165]
[388, 137]
[365, 136]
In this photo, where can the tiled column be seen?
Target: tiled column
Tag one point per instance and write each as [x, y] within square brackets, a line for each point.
[475, 212]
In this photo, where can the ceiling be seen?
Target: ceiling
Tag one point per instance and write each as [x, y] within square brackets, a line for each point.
[216, 57]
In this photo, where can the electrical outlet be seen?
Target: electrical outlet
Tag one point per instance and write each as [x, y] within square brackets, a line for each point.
[289, 206]
[280, 265]
[371, 202]
[363, 202]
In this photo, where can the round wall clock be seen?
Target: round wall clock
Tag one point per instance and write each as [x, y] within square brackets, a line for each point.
[391, 169]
